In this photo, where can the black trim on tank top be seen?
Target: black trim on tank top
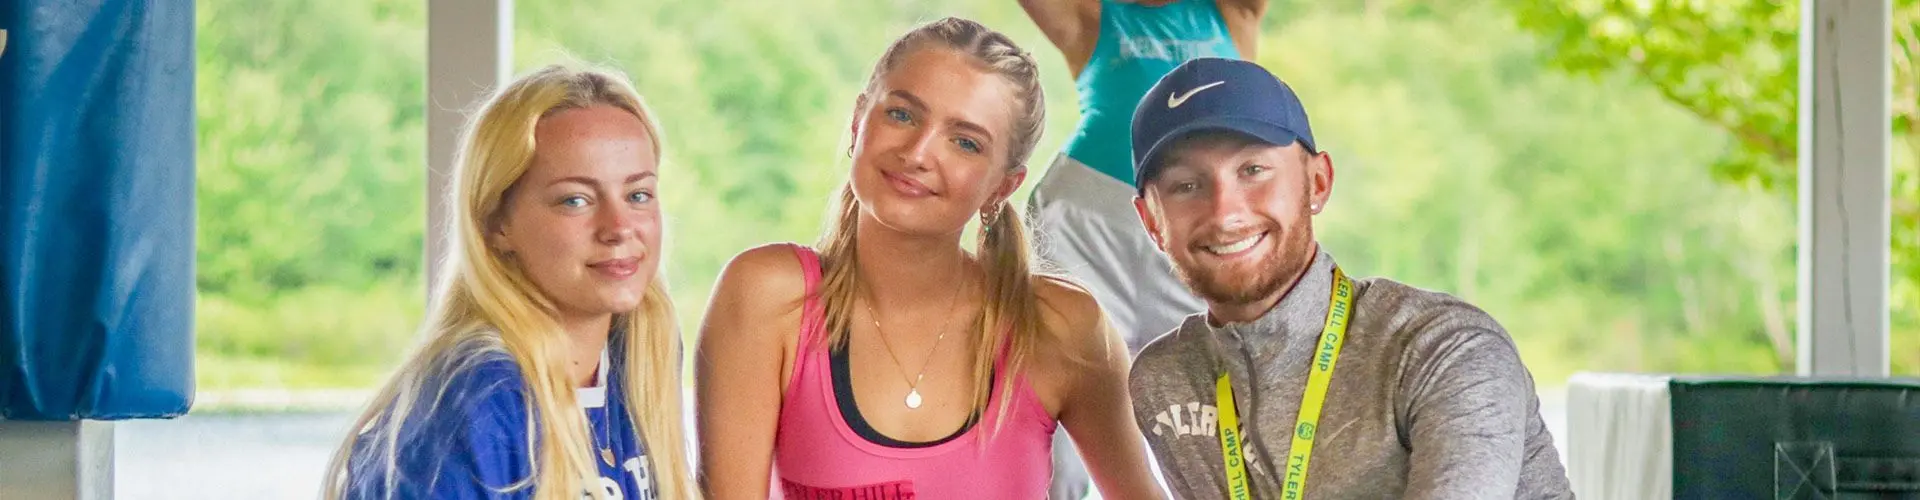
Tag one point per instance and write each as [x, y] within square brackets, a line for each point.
[850, 411]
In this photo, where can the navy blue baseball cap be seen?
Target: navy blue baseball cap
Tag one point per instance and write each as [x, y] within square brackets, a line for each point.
[1215, 94]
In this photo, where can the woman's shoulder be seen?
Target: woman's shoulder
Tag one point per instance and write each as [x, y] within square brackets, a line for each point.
[773, 270]
[470, 384]
[1066, 308]
[461, 419]
[764, 281]
[1072, 319]
[1075, 342]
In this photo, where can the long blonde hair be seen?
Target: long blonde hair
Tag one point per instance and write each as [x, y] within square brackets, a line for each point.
[1011, 315]
[484, 305]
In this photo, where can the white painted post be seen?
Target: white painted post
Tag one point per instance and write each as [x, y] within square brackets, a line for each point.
[469, 53]
[1844, 183]
[56, 460]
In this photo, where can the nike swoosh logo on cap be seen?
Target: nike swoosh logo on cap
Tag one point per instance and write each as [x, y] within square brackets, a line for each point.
[1174, 100]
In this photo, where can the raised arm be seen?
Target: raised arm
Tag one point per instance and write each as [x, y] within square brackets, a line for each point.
[740, 372]
[1072, 25]
[1243, 24]
[1090, 375]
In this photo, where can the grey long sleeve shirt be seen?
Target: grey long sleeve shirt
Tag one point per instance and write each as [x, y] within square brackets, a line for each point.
[1429, 399]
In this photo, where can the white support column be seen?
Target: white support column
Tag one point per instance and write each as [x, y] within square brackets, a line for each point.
[1844, 187]
[469, 53]
[67, 459]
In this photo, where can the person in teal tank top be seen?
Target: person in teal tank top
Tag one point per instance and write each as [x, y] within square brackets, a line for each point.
[1134, 46]
[1082, 210]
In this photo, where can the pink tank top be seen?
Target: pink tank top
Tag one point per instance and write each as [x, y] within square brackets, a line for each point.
[817, 454]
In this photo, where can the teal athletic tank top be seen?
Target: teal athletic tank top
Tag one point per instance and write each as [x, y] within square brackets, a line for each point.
[1137, 46]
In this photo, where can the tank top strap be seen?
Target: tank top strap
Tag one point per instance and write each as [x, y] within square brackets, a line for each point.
[809, 356]
[813, 312]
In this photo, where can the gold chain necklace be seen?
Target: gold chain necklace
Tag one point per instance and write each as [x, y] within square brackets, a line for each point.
[913, 383]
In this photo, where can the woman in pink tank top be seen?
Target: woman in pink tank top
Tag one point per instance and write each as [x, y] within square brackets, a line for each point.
[889, 362]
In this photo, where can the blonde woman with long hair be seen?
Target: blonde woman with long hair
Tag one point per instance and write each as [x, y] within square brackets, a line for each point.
[550, 365]
[889, 361]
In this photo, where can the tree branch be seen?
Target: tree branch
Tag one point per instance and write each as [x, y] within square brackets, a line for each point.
[1749, 136]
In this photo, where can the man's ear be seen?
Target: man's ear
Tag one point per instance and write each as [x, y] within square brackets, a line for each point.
[1149, 221]
[1320, 174]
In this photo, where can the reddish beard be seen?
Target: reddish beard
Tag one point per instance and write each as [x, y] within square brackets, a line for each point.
[1256, 281]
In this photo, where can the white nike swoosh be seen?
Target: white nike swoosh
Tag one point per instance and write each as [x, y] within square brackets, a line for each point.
[1175, 99]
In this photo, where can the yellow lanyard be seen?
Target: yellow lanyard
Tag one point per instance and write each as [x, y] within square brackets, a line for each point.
[1319, 375]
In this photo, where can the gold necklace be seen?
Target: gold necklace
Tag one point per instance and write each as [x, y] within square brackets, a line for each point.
[913, 383]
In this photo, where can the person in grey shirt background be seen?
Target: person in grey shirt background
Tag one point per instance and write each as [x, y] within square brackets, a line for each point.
[1341, 388]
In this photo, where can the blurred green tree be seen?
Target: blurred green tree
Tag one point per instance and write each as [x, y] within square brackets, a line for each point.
[1735, 65]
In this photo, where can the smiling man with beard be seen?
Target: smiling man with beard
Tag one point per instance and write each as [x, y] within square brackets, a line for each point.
[1298, 381]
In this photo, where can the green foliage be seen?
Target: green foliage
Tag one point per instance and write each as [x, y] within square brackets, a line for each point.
[311, 136]
[314, 337]
[1735, 65]
[311, 204]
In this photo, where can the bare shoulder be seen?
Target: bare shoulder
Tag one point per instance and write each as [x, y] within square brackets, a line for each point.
[765, 274]
[1247, 10]
[761, 287]
[1073, 26]
[1080, 354]
[1078, 341]
[1242, 18]
[1069, 312]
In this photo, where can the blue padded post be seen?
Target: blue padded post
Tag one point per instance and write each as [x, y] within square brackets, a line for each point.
[97, 209]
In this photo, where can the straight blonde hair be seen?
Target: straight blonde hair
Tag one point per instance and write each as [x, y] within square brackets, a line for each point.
[485, 305]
